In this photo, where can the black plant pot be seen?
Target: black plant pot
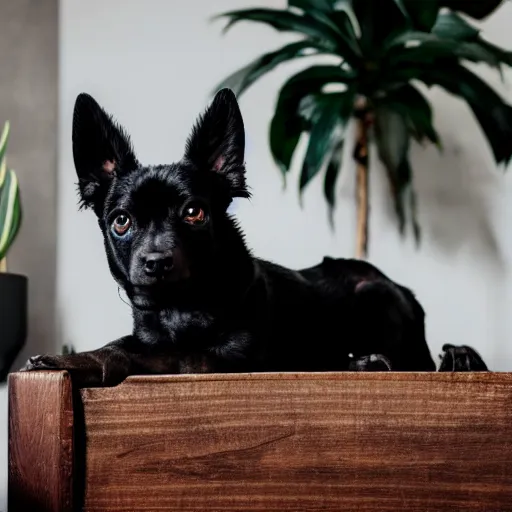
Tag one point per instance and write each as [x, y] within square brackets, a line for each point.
[13, 319]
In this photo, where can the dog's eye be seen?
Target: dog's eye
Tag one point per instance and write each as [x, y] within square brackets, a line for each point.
[194, 215]
[121, 224]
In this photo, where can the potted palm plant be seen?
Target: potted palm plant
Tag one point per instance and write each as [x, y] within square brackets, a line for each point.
[13, 287]
[383, 50]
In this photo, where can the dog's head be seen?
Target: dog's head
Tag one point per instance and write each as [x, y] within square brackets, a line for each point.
[160, 223]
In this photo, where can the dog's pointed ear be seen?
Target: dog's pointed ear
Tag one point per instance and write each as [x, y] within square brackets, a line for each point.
[217, 142]
[101, 150]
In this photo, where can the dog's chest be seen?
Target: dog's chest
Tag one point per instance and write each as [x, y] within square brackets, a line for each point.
[187, 323]
[191, 329]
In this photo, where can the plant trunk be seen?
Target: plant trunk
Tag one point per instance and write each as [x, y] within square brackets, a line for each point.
[363, 206]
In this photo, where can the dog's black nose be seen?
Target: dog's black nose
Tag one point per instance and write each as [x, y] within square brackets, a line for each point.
[158, 264]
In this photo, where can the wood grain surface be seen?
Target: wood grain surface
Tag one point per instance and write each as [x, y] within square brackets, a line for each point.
[370, 442]
[40, 442]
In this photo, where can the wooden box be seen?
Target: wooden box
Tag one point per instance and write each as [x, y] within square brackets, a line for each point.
[367, 442]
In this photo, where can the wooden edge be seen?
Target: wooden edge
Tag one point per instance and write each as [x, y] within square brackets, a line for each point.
[483, 377]
[40, 442]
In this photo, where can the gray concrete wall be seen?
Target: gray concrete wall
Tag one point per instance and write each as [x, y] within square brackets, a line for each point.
[28, 99]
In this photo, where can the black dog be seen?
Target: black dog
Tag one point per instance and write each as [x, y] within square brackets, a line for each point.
[201, 301]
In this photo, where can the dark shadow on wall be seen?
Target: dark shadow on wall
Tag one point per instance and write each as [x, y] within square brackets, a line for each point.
[460, 190]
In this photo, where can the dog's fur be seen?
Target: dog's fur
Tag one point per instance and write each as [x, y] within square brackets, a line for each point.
[201, 301]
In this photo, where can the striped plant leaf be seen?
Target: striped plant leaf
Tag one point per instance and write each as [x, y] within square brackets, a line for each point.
[10, 215]
[10, 204]
[16, 218]
[4, 138]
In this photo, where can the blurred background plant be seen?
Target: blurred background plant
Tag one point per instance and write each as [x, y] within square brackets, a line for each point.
[13, 287]
[10, 205]
[68, 349]
[383, 47]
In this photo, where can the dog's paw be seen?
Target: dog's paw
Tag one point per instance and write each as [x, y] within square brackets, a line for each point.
[371, 363]
[461, 359]
[43, 362]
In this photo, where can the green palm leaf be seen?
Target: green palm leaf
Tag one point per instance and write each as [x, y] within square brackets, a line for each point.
[284, 21]
[326, 6]
[332, 172]
[421, 13]
[288, 122]
[332, 114]
[492, 113]
[306, 25]
[379, 20]
[246, 76]
[416, 48]
[478, 9]
[415, 108]
[383, 46]
[339, 11]
[392, 139]
[501, 55]
[451, 25]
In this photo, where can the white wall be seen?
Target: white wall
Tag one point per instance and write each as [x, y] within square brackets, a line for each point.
[153, 64]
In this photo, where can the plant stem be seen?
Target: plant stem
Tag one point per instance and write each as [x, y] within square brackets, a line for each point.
[363, 206]
[3, 265]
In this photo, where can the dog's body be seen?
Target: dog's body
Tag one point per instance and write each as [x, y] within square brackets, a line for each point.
[201, 301]
[282, 320]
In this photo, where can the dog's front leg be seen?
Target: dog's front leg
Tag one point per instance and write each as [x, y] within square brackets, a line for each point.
[106, 366]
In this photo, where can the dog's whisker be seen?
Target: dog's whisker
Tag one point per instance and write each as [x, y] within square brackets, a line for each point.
[119, 294]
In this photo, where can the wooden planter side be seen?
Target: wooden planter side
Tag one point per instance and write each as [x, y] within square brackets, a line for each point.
[40, 442]
[370, 442]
